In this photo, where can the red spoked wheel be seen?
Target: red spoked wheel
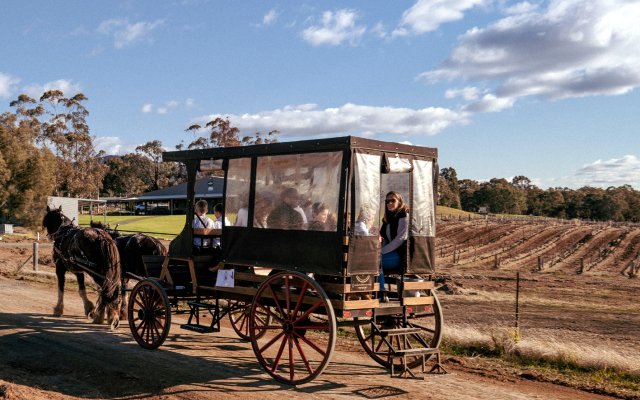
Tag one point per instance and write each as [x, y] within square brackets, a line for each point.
[301, 336]
[239, 313]
[429, 322]
[149, 314]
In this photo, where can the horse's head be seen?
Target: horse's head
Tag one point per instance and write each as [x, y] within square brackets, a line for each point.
[107, 228]
[53, 219]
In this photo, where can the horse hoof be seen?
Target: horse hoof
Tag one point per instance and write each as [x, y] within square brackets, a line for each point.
[114, 324]
[57, 312]
[89, 309]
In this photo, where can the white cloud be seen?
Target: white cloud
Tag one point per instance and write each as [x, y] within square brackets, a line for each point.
[308, 120]
[336, 28]
[521, 8]
[468, 93]
[169, 106]
[6, 85]
[114, 145]
[379, 30]
[147, 108]
[190, 103]
[125, 33]
[64, 85]
[428, 15]
[617, 171]
[270, 17]
[489, 103]
[572, 48]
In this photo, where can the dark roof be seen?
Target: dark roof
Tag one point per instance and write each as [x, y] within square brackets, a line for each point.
[330, 144]
[180, 191]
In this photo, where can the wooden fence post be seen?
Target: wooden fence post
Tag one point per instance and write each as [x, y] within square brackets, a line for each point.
[539, 267]
[35, 256]
[517, 333]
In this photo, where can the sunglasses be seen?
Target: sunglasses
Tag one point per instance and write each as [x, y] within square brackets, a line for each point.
[390, 201]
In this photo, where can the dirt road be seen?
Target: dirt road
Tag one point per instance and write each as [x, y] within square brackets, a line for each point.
[42, 357]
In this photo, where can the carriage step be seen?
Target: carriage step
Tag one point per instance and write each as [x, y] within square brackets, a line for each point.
[399, 331]
[202, 305]
[199, 328]
[415, 352]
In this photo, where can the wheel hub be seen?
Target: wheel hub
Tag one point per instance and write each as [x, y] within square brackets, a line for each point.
[287, 327]
[145, 314]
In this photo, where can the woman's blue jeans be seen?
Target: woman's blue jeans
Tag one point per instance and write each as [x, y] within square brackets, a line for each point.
[389, 260]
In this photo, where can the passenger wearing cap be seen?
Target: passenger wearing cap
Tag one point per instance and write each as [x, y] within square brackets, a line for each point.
[285, 215]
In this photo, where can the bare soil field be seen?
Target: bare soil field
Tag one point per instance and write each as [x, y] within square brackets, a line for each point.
[605, 250]
[43, 357]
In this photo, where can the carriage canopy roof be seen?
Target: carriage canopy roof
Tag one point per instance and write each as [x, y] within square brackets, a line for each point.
[341, 143]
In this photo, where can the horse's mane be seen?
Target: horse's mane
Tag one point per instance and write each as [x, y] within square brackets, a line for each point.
[97, 224]
[100, 225]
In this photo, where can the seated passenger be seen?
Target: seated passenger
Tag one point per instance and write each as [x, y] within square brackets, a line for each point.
[217, 224]
[363, 224]
[306, 206]
[285, 216]
[331, 224]
[393, 236]
[261, 209]
[320, 213]
[202, 221]
[243, 214]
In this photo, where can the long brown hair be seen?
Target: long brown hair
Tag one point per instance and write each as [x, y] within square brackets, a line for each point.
[388, 215]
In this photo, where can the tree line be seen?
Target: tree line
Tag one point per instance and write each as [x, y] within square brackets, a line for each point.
[46, 149]
[521, 197]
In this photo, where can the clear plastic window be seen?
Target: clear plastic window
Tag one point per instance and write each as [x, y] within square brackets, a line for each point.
[424, 217]
[367, 189]
[298, 192]
[238, 184]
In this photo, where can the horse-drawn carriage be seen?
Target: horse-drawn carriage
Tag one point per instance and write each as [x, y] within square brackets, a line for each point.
[290, 289]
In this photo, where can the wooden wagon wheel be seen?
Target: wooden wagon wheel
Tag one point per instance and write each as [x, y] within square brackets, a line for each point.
[301, 336]
[149, 314]
[239, 313]
[430, 322]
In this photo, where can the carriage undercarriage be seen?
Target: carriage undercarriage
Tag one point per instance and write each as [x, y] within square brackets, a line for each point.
[291, 319]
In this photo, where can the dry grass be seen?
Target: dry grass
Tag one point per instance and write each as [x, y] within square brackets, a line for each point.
[539, 347]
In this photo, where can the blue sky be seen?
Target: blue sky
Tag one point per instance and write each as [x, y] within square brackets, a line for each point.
[545, 89]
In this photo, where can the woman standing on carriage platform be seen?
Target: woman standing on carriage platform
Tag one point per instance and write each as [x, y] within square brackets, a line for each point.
[393, 236]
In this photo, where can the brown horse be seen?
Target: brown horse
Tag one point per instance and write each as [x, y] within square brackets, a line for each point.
[80, 250]
[131, 249]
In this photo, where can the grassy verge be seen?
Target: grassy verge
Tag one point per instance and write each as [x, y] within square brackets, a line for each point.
[547, 358]
[453, 211]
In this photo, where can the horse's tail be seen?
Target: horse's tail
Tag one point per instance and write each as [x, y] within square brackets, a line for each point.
[113, 269]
